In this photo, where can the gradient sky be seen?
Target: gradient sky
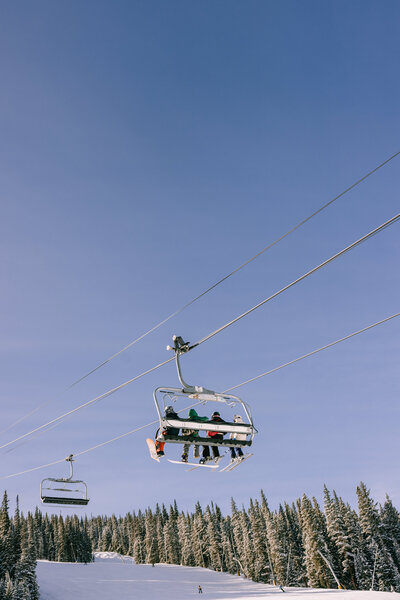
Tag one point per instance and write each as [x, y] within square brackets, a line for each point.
[147, 148]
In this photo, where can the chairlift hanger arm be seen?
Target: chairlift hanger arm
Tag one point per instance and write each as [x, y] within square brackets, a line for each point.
[181, 347]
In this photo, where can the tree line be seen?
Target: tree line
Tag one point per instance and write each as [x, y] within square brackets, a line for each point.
[17, 556]
[299, 544]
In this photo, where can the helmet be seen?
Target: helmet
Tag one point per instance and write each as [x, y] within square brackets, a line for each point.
[216, 414]
[169, 410]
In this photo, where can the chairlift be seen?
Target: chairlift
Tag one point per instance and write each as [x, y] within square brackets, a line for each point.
[73, 492]
[165, 396]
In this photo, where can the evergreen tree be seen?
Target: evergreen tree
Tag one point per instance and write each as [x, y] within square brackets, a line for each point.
[7, 548]
[315, 546]
[171, 539]
[261, 568]
[213, 540]
[150, 540]
[385, 574]
[185, 537]
[390, 530]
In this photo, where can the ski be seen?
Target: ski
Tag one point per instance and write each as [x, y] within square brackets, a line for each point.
[214, 466]
[229, 465]
[236, 462]
[152, 449]
[194, 465]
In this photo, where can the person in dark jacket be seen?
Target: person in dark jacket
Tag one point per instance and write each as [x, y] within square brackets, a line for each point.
[169, 414]
[215, 435]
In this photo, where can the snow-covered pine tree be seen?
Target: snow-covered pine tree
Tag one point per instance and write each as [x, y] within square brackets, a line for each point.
[16, 529]
[226, 546]
[344, 530]
[7, 549]
[199, 536]
[25, 575]
[60, 541]
[20, 591]
[314, 541]
[184, 532]
[138, 533]
[8, 587]
[245, 553]
[237, 538]
[390, 529]
[295, 574]
[262, 570]
[150, 539]
[385, 574]
[277, 554]
[214, 560]
[106, 539]
[171, 538]
[116, 544]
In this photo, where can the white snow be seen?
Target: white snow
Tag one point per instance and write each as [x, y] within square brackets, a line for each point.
[115, 577]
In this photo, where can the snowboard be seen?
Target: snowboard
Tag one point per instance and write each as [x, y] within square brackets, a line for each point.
[236, 462]
[152, 449]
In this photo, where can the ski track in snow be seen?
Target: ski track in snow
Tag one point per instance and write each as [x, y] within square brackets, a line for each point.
[116, 577]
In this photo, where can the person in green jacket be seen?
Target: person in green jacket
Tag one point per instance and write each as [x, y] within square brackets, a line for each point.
[190, 435]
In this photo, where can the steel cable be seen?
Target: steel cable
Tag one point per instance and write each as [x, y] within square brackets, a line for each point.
[216, 331]
[132, 431]
[209, 289]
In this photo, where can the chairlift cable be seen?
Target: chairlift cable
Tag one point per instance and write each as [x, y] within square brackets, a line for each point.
[216, 331]
[209, 289]
[291, 362]
[74, 410]
[247, 262]
[119, 437]
[228, 390]
[286, 287]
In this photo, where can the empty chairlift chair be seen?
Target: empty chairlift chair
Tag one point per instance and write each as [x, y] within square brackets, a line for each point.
[64, 490]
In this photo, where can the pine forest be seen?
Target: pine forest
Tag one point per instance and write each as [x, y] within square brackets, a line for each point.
[299, 545]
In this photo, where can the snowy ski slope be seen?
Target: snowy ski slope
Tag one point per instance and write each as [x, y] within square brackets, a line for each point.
[113, 577]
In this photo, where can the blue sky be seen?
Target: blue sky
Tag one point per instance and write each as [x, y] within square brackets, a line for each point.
[146, 150]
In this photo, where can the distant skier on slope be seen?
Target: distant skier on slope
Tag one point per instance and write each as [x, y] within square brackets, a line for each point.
[200, 589]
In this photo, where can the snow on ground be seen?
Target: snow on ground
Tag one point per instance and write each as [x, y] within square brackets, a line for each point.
[115, 577]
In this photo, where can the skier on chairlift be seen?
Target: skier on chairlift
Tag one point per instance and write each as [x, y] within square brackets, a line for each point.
[215, 435]
[169, 414]
[239, 437]
[190, 435]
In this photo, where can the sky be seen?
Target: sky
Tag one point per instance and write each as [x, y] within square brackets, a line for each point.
[149, 148]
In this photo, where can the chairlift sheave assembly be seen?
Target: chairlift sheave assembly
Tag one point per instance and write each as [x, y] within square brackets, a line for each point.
[165, 396]
[66, 495]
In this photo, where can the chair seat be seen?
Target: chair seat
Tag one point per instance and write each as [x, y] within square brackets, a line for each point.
[203, 441]
[58, 500]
